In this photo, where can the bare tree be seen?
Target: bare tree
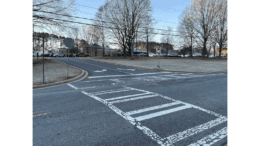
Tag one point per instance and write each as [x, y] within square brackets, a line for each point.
[168, 38]
[186, 28]
[149, 34]
[205, 14]
[219, 35]
[44, 14]
[100, 16]
[124, 17]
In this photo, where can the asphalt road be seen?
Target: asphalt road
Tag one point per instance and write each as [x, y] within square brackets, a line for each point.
[121, 106]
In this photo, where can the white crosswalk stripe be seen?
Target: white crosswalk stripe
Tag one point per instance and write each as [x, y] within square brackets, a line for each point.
[153, 115]
[130, 99]
[121, 97]
[152, 108]
[170, 139]
[110, 91]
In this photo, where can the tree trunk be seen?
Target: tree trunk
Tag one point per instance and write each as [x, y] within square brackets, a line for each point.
[214, 51]
[220, 49]
[204, 47]
[147, 46]
[191, 48]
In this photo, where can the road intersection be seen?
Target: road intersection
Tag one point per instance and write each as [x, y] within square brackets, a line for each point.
[126, 106]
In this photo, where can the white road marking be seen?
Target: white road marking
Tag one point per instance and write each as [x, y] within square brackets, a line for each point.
[126, 69]
[183, 77]
[121, 97]
[162, 141]
[72, 86]
[131, 120]
[130, 99]
[157, 114]
[98, 66]
[152, 108]
[100, 70]
[110, 91]
[193, 106]
[212, 138]
[186, 74]
[184, 134]
[94, 81]
[126, 75]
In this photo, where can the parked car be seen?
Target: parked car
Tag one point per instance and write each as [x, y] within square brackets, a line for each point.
[142, 54]
[196, 55]
[183, 55]
[51, 54]
[120, 54]
[70, 55]
[151, 54]
[46, 55]
[58, 55]
[82, 55]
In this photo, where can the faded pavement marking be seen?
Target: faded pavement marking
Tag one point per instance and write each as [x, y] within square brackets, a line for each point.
[40, 113]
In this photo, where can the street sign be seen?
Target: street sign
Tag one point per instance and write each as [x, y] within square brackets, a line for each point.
[68, 42]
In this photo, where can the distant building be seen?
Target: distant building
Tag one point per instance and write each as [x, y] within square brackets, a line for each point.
[96, 50]
[170, 52]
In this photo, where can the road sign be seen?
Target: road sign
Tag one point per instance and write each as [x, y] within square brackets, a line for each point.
[68, 42]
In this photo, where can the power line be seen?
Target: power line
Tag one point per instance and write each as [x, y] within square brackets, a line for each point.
[143, 17]
[94, 19]
[105, 26]
[152, 5]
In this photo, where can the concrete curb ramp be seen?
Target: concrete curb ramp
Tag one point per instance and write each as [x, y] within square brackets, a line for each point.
[83, 75]
[157, 69]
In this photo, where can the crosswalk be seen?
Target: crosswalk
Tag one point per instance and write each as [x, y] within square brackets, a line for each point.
[128, 80]
[153, 112]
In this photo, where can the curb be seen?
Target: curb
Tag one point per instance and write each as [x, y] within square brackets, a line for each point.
[160, 70]
[83, 75]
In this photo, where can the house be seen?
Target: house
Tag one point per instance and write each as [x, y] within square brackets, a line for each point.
[96, 50]
[223, 51]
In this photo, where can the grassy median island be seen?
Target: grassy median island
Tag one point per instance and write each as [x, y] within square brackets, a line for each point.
[54, 71]
[173, 64]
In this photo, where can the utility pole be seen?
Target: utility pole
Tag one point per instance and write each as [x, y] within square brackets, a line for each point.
[43, 56]
[147, 44]
[103, 42]
[135, 41]
[33, 37]
[125, 45]
[167, 46]
[191, 48]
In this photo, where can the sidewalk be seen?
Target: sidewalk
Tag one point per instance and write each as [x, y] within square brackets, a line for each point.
[186, 65]
[55, 73]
